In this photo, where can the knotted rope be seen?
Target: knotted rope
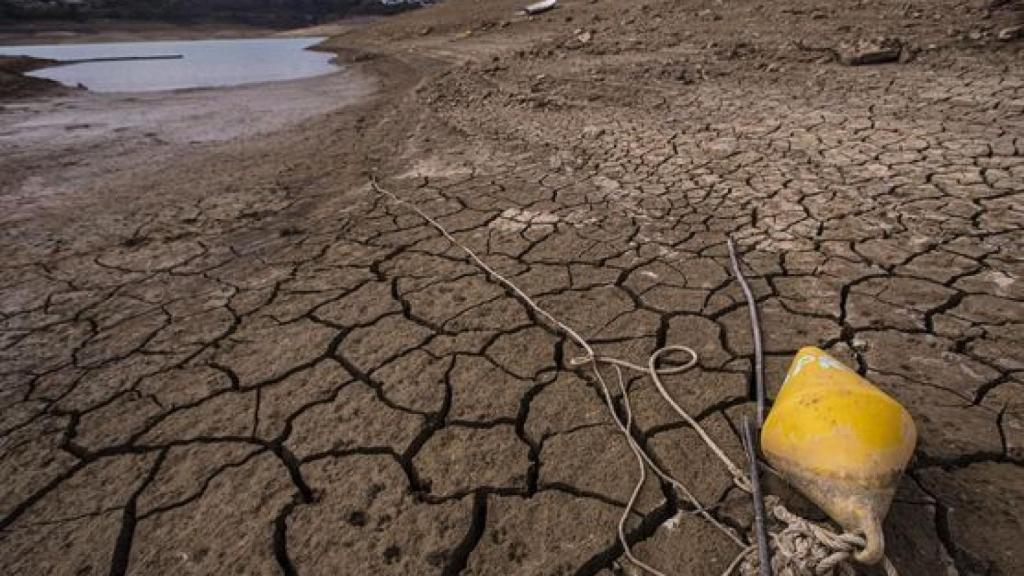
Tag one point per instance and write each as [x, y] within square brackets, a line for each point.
[804, 548]
[801, 548]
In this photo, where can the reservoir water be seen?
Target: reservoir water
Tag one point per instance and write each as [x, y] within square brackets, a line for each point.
[204, 63]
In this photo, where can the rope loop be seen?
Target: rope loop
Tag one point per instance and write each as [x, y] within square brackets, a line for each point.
[805, 548]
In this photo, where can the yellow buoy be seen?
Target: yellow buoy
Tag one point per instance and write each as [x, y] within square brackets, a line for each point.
[842, 442]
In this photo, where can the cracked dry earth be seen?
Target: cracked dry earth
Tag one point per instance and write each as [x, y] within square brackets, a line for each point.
[279, 371]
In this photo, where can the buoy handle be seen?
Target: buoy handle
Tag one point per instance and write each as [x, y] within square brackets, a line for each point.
[874, 549]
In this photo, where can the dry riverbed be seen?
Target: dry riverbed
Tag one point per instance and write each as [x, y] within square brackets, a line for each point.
[221, 350]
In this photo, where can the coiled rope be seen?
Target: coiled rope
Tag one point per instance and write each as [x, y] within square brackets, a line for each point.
[801, 548]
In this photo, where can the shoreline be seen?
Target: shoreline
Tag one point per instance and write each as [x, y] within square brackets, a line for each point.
[60, 32]
[17, 85]
[71, 140]
[67, 129]
[98, 31]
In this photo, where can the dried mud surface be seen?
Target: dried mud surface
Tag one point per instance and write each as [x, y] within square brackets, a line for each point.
[237, 357]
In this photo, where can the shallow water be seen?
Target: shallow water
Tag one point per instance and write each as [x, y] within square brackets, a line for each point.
[205, 63]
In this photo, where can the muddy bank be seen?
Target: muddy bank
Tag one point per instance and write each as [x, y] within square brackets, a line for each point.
[14, 84]
[76, 141]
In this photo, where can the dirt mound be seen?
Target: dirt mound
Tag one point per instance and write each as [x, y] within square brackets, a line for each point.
[15, 84]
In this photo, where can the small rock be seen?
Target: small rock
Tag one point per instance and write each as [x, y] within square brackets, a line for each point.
[859, 344]
[591, 132]
[963, 101]
[426, 30]
[584, 37]
[865, 51]
[709, 14]
[1011, 33]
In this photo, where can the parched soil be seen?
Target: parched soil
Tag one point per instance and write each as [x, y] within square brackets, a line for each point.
[235, 356]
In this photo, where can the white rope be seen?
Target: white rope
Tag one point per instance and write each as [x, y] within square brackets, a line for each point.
[804, 548]
[643, 459]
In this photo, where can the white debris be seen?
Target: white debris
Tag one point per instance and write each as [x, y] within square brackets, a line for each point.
[672, 524]
[542, 6]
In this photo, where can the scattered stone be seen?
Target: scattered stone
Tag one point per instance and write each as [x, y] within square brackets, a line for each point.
[964, 101]
[682, 75]
[540, 7]
[859, 344]
[1011, 33]
[870, 51]
[426, 30]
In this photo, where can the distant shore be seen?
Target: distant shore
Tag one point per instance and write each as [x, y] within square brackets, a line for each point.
[64, 31]
[68, 32]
